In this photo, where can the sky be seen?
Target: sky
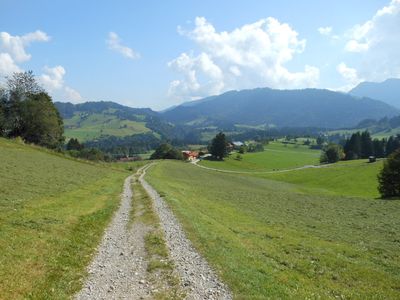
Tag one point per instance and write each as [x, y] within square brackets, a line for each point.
[162, 53]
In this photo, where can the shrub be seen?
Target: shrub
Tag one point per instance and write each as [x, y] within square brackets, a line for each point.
[332, 153]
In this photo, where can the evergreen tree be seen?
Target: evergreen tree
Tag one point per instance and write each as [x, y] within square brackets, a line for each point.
[352, 147]
[366, 149]
[379, 147]
[218, 147]
[389, 177]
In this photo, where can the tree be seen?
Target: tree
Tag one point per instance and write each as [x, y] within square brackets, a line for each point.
[41, 123]
[379, 147]
[352, 147]
[2, 112]
[218, 147]
[73, 144]
[332, 153]
[166, 151]
[389, 177]
[366, 145]
[26, 110]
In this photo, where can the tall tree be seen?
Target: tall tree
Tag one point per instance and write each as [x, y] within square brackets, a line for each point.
[41, 122]
[218, 147]
[389, 177]
[352, 147]
[379, 147]
[28, 111]
[366, 145]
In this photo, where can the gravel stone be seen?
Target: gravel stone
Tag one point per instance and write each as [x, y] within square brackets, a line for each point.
[193, 269]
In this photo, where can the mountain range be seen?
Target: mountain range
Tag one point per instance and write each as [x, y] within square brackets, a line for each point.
[260, 108]
[387, 91]
[282, 108]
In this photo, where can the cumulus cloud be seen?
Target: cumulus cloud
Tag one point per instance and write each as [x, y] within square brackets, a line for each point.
[13, 50]
[325, 30]
[378, 43]
[350, 75]
[15, 45]
[53, 81]
[7, 65]
[250, 56]
[115, 44]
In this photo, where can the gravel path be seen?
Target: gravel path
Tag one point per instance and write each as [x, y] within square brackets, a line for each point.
[198, 279]
[263, 172]
[118, 271]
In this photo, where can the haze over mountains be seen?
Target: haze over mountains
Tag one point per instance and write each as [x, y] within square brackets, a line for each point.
[261, 107]
[387, 91]
[291, 108]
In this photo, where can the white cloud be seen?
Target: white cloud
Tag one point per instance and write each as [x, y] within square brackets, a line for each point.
[114, 43]
[72, 95]
[53, 81]
[378, 42]
[250, 56]
[325, 30]
[350, 75]
[15, 45]
[7, 65]
[12, 50]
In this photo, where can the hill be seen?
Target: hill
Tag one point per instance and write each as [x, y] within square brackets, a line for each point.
[92, 120]
[53, 213]
[311, 233]
[387, 91]
[382, 128]
[282, 108]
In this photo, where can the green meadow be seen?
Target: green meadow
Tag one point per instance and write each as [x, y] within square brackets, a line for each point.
[53, 211]
[277, 156]
[305, 234]
[95, 125]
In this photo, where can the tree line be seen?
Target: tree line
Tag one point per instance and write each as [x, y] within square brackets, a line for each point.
[361, 145]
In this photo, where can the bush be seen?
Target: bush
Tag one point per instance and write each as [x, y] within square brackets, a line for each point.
[389, 177]
[166, 151]
[332, 153]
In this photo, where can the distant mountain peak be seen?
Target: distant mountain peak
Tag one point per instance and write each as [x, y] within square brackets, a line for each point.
[387, 91]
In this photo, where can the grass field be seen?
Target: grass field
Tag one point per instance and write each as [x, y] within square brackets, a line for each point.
[303, 235]
[53, 211]
[277, 156]
[95, 125]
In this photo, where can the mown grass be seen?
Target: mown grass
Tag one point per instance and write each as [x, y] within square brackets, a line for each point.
[273, 239]
[351, 178]
[53, 212]
[277, 156]
[96, 125]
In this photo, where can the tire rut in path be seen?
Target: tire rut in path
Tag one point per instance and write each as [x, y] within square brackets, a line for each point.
[119, 268]
[197, 277]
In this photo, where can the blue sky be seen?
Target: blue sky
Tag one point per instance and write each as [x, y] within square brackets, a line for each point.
[161, 53]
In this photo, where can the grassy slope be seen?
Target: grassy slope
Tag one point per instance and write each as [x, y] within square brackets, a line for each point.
[52, 214]
[282, 240]
[276, 156]
[350, 178]
[96, 125]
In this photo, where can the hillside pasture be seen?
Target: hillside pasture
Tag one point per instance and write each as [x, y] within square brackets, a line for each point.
[280, 240]
[276, 156]
[91, 126]
[53, 211]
